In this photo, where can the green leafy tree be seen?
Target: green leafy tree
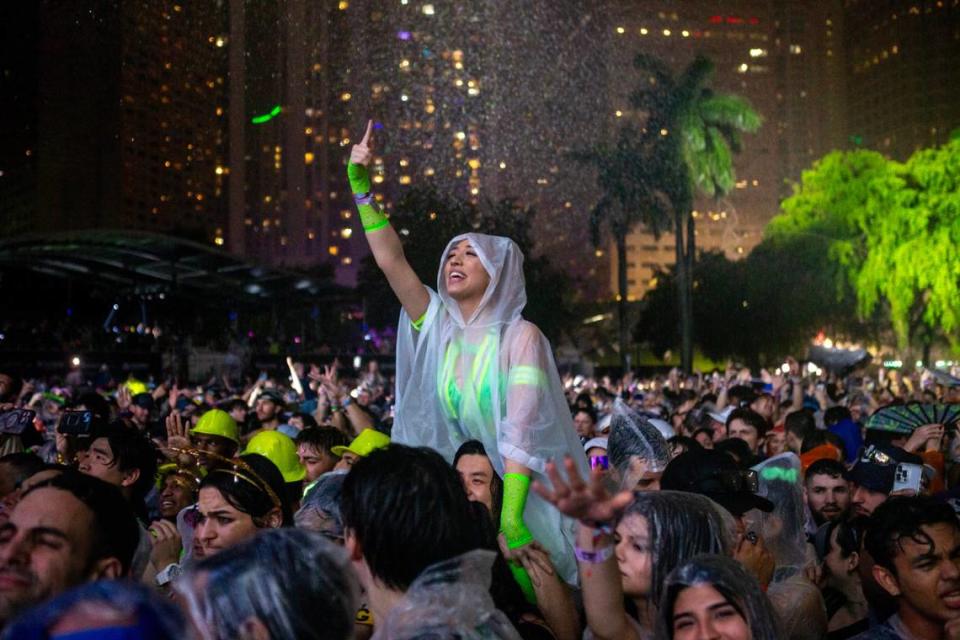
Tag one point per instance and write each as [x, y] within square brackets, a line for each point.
[702, 129]
[426, 221]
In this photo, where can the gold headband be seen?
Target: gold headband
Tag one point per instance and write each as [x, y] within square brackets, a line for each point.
[252, 476]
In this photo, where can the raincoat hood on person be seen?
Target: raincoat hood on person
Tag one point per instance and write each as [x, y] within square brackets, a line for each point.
[506, 295]
[450, 599]
[727, 576]
[680, 525]
[782, 529]
[631, 437]
[490, 377]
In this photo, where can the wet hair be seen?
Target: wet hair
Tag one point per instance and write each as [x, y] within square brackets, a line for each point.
[24, 464]
[900, 518]
[849, 536]
[323, 439]
[155, 617]
[686, 442]
[750, 417]
[800, 423]
[476, 448]
[115, 532]
[731, 581]
[296, 583]
[408, 510]
[827, 467]
[320, 510]
[681, 525]
[245, 489]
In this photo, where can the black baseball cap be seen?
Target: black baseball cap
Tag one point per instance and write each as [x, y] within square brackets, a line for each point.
[876, 469]
[714, 474]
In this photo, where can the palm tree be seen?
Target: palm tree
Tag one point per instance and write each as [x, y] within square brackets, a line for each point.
[627, 175]
[700, 131]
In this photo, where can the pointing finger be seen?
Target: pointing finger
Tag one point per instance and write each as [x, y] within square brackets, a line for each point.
[368, 134]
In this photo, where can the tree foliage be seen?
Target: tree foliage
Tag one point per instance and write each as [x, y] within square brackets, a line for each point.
[426, 221]
[893, 228]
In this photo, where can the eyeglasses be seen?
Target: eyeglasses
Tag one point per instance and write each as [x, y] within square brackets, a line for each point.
[603, 462]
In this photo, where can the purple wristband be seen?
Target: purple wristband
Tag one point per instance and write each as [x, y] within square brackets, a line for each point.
[593, 557]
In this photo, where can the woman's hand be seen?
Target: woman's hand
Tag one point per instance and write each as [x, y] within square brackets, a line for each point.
[166, 544]
[362, 152]
[585, 501]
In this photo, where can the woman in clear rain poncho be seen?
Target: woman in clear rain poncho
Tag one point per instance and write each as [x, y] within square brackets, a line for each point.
[712, 596]
[795, 598]
[470, 367]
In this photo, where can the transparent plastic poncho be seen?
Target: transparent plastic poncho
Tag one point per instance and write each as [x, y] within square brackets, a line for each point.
[728, 577]
[320, 509]
[296, 583]
[635, 446]
[795, 598]
[450, 599]
[680, 525]
[492, 378]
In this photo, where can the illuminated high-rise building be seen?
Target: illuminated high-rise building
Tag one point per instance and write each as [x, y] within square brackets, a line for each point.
[130, 118]
[901, 59]
[785, 57]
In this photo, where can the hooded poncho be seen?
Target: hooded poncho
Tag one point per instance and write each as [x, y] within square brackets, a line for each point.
[490, 377]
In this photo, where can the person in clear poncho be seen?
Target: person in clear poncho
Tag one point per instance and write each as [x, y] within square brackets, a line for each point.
[282, 584]
[470, 367]
[796, 599]
[713, 596]
[638, 452]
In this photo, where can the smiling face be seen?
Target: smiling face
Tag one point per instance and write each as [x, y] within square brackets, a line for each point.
[463, 273]
[176, 495]
[702, 612]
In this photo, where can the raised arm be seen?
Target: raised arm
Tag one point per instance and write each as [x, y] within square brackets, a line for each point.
[384, 241]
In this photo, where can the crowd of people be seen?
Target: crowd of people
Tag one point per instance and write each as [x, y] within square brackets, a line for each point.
[476, 493]
[720, 506]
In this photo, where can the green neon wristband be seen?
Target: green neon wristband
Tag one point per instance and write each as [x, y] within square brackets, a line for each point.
[371, 217]
[516, 486]
[359, 178]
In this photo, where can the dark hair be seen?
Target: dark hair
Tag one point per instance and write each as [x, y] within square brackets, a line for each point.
[836, 414]
[686, 442]
[132, 450]
[24, 464]
[115, 532]
[800, 423]
[16, 386]
[408, 510]
[740, 394]
[155, 617]
[903, 517]
[731, 581]
[827, 467]
[849, 536]
[95, 404]
[230, 405]
[476, 448]
[322, 438]
[738, 450]
[706, 430]
[245, 490]
[583, 400]
[309, 422]
[821, 437]
[751, 418]
[587, 410]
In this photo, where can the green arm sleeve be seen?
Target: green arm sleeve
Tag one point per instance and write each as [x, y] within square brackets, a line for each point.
[371, 217]
[516, 486]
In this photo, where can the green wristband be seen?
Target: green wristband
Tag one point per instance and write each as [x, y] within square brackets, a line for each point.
[516, 486]
[359, 178]
[372, 218]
